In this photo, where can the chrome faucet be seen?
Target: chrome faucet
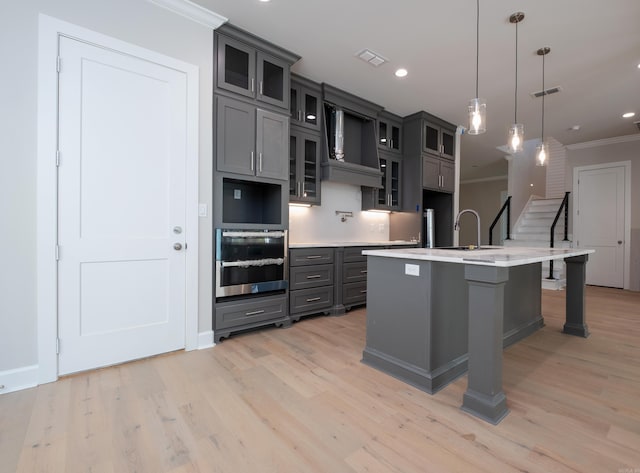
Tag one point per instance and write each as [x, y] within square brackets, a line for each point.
[456, 226]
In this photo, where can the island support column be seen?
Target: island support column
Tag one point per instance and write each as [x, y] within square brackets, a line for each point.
[484, 397]
[575, 322]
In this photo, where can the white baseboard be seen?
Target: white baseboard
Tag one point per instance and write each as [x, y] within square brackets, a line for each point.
[19, 378]
[205, 340]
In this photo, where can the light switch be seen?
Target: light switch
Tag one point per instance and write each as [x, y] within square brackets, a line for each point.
[203, 210]
[412, 269]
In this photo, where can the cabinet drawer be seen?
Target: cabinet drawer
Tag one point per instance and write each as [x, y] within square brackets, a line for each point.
[232, 314]
[354, 293]
[354, 272]
[305, 277]
[307, 256]
[354, 253]
[310, 299]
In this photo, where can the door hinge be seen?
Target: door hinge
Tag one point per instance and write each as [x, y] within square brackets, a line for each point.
[58, 64]
[57, 253]
[185, 246]
[57, 346]
[57, 157]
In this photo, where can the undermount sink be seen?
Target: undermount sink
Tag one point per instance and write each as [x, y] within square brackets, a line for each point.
[462, 248]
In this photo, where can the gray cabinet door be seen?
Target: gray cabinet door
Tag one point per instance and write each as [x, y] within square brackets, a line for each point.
[304, 167]
[447, 173]
[235, 136]
[273, 80]
[236, 66]
[272, 145]
[430, 173]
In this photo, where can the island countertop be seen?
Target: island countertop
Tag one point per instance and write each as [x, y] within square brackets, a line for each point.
[486, 256]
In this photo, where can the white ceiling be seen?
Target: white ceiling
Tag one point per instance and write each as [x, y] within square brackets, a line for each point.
[595, 52]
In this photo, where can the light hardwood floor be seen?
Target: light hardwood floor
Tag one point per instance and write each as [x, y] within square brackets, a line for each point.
[299, 400]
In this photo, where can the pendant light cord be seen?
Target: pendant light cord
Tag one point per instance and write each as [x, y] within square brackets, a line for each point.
[477, 43]
[543, 94]
[515, 113]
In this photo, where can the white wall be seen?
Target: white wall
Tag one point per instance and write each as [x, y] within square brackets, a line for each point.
[135, 21]
[483, 197]
[321, 224]
[525, 179]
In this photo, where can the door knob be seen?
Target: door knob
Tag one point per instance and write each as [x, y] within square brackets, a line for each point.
[177, 246]
[619, 242]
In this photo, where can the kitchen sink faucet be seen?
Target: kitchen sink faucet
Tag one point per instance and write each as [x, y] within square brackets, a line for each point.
[456, 226]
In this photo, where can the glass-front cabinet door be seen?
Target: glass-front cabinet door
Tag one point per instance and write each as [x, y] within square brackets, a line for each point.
[272, 80]
[304, 103]
[389, 195]
[236, 67]
[389, 132]
[304, 167]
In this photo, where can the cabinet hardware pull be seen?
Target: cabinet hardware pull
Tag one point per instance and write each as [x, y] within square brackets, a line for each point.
[313, 299]
[261, 88]
[252, 157]
[364, 271]
[252, 85]
[260, 161]
[298, 188]
[314, 276]
[255, 312]
[314, 256]
[364, 291]
[299, 115]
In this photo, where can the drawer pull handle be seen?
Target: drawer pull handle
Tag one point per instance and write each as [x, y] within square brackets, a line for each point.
[314, 256]
[364, 271]
[313, 299]
[255, 312]
[314, 276]
[364, 291]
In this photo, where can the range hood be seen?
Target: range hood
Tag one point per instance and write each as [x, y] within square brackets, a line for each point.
[350, 152]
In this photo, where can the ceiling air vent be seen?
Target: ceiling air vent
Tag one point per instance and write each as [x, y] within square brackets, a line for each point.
[549, 91]
[372, 58]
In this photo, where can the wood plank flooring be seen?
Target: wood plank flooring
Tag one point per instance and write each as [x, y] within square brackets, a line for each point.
[299, 400]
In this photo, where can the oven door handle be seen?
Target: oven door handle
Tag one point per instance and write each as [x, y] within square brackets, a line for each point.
[255, 262]
[250, 234]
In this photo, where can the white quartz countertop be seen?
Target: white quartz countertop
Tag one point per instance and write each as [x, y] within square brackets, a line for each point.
[487, 256]
[339, 244]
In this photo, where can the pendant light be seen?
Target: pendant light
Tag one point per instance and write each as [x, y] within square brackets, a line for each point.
[542, 150]
[477, 106]
[516, 131]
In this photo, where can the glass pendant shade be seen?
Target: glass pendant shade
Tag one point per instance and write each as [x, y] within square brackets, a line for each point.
[516, 138]
[542, 154]
[477, 116]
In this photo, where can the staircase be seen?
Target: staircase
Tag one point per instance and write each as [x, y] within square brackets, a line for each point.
[532, 229]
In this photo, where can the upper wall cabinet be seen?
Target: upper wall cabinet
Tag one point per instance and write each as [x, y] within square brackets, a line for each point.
[304, 102]
[249, 66]
[426, 133]
[389, 132]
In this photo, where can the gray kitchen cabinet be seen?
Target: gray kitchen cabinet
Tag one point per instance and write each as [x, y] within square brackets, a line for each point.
[438, 140]
[241, 315]
[387, 198]
[304, 166]
[311, 278]
[251, 141]
[304, 103]
[244, 69]
[438, 174]
[390, 132]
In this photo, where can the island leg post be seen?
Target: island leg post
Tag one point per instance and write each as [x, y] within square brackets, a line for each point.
[575, 322]
[484, 397]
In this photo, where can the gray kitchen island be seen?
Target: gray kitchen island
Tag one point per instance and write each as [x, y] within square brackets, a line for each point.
[434, 314]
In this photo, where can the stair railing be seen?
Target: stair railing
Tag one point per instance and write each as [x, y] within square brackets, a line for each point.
[505, 207]
[564, 205]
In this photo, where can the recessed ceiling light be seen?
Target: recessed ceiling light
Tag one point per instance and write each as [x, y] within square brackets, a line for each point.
[628, 115]
[401, 72]
[575, 128]
[265, 1]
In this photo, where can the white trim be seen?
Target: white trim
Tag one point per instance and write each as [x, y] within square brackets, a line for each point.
[19, 378]
[194, 12]
[627, 210]
[604, 142]
[484, 179]
[50, 29]
[205, 340]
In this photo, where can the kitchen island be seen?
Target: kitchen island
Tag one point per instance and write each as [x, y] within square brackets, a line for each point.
[433, 314]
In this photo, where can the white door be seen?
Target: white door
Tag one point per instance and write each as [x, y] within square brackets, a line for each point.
[121, 207]
[600, 223]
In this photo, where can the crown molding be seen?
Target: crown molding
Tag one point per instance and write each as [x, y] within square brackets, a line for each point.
[194, 12]
[604, 142]
[484, 179]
